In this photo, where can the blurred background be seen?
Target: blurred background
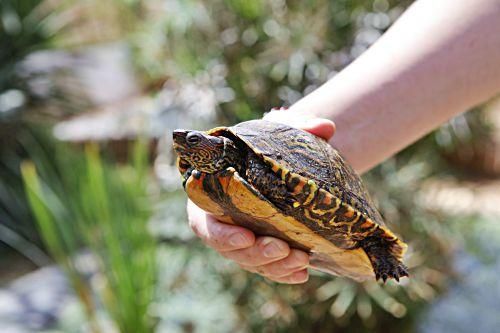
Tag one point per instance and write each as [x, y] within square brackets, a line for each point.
[93, 232]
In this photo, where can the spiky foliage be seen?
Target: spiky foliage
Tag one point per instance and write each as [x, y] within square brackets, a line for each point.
[255, 55]
[87, 203]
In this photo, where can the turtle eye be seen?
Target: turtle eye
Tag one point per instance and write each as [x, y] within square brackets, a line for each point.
[193, 138]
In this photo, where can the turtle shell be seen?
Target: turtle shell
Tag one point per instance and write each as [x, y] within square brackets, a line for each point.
[314, 166]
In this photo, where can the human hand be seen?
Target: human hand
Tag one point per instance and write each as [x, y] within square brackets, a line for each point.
[268, 256]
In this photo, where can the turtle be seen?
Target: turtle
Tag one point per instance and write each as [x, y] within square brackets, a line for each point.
[281, 181]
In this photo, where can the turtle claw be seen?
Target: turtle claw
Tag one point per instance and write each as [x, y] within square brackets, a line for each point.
[402, 271]
[196, 174]
[385, 264]
[389, 269]
[190, 172]
[186, 176]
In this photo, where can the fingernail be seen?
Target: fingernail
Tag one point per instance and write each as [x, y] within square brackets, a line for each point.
[272, 249]
[238, 240]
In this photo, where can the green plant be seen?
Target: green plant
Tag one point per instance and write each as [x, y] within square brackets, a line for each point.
[26, 27]
[254, 55]
[87, 203]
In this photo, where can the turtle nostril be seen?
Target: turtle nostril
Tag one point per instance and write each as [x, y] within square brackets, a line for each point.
[179, 134]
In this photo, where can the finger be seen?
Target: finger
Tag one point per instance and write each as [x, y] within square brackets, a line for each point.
[297, 260]
[264, 251]
[294, 278]
[220, 236]
[323, 128]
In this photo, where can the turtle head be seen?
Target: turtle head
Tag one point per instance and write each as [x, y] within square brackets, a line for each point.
[206, 153]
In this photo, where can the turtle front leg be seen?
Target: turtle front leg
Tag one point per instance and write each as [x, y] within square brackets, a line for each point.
[385, 264]
[268, 183]
[188, 173]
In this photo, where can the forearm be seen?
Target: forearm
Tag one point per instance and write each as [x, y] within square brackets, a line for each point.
[439, 59]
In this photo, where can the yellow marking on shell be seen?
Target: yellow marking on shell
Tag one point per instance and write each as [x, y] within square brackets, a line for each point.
[273, 165]
[366, 224]
[284, 172]
[303, 144]
[338, 224]
[312, 190]
[389, 235]
[358, 216]
[349, 224]
[325, 211]
[296, 204]
[349, 213]
[318, 211]
[353, 222]
[216, 130]
[334, 223]
[307, 214]
[373, 229]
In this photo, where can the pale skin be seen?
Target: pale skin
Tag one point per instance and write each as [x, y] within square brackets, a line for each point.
[438, 60]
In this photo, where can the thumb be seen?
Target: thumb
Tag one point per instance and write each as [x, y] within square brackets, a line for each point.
[320, 127]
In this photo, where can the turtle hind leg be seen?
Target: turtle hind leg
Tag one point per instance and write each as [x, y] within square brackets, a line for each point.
[385, 263]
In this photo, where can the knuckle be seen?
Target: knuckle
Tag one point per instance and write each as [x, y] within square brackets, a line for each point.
[237, 256]
[218, 231]
[261, 270]
[251, 259]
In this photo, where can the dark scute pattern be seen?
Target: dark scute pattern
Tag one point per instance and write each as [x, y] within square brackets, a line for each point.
[311, 157]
